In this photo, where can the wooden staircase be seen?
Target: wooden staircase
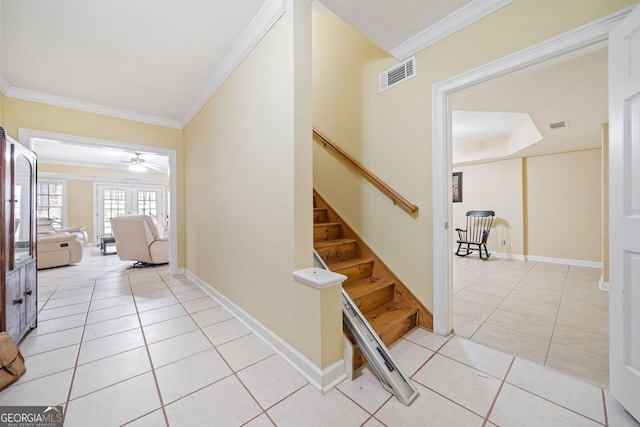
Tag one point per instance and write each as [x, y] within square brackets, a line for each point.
[387, 304]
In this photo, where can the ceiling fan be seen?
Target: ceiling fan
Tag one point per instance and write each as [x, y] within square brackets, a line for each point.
[138, 164]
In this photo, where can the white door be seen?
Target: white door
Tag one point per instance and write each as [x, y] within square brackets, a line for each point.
[624, 228]
[122, 199]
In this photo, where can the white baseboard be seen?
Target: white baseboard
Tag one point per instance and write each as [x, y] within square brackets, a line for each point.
[565, 261]
[322, 379]
[504, 255]
[604, 286]
[550, 260]
[501, 255]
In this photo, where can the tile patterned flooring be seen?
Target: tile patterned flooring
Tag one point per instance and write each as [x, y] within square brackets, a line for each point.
[143, 348]
[551, 314]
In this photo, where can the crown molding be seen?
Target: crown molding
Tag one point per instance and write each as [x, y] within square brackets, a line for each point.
[464, 16]
[59, 101]
[259, 26]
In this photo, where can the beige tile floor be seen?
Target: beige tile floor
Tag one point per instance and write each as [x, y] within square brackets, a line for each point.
[551, 314]
[142, 348]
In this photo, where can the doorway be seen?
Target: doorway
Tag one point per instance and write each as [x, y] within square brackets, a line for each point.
[26, 136]
[442, 152]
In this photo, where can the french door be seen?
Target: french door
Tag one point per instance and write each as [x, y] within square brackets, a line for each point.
[124, 199]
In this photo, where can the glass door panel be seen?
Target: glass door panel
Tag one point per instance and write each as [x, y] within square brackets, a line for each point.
[22, 209]
[114, 203]
[117, 200]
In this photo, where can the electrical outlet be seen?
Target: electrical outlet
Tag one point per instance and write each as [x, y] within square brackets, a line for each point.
[504, 242]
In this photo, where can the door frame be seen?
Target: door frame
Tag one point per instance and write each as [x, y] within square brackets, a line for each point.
[26, 135]
[586, 35]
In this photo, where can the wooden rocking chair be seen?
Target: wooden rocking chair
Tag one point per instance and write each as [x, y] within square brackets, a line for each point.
[476, 234]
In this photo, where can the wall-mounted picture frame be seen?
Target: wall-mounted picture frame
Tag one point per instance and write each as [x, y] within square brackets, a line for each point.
[457, 187]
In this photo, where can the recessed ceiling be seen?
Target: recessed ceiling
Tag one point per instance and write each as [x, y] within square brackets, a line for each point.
[571, 88]
[472, 126]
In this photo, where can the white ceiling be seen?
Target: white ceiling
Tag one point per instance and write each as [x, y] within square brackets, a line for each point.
[148, 57]
[397, 21]
[95, 156]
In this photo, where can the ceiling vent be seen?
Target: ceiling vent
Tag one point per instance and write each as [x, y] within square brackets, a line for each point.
[398, 74]
[557, 125]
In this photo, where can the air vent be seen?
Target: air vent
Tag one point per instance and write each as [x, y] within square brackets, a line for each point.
[398, 74]
[557, 125]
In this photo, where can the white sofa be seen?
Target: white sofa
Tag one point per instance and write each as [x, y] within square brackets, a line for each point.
[45, 226]
[58, 249]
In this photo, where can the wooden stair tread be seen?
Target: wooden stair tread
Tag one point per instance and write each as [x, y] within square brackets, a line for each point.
[327, 224]
[384, 316]
[335, 266]
[334, 242]
[367, 286]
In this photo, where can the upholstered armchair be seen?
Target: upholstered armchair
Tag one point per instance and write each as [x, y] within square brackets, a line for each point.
[45, 226]
[138, 239]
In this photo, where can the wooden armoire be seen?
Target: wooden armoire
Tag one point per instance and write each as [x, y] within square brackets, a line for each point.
[18, 290]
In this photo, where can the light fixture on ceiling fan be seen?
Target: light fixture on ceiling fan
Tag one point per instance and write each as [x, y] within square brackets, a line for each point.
[137, 164]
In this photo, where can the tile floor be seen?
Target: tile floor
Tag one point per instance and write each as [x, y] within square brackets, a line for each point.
[142, 348]
[554, 315]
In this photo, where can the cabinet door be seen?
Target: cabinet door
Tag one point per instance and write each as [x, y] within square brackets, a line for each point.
[14, 305]
[23, 208]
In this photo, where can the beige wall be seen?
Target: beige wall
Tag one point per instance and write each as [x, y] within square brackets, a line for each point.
[31, 115]
[564, 199]
[337, 90]
[249, 191]
[496, 186]
[535, 215]
[80, 205]
[396, 125]
[80, 187]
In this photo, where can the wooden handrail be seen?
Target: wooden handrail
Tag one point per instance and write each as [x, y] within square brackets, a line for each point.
[382, 186]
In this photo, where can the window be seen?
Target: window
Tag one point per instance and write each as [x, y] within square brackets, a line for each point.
[50, 201]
